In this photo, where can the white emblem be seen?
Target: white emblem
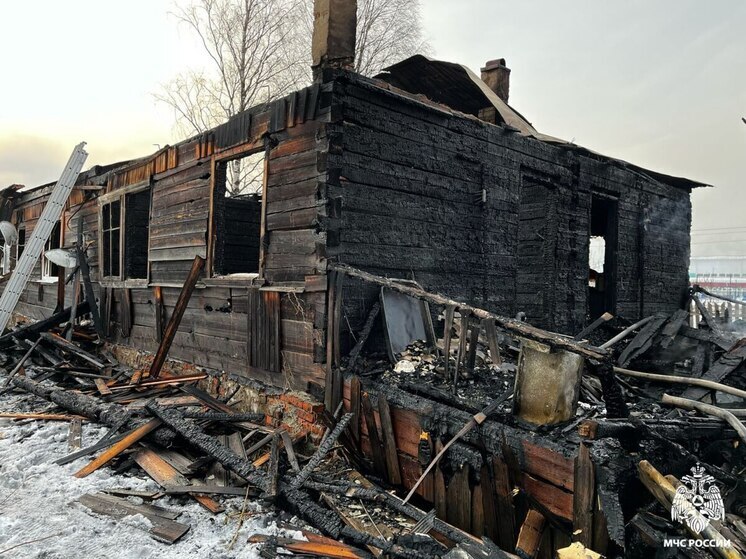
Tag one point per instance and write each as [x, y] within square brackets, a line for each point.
[697, 500]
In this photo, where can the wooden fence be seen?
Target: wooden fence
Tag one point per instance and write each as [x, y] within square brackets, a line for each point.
[724, 312]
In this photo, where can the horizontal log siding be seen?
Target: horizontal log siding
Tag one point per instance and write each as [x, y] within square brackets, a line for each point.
[407, 180]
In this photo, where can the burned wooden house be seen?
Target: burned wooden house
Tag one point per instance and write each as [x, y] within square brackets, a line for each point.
[423, 173]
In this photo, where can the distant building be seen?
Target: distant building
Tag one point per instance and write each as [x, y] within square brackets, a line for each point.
[725, 275]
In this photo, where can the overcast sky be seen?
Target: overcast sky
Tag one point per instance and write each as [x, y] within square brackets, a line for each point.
[659, 83]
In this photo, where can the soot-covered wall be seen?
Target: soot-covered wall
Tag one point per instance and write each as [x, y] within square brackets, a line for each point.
[419, 198]
[482, 214]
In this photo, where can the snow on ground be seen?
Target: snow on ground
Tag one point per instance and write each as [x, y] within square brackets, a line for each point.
[37, 500]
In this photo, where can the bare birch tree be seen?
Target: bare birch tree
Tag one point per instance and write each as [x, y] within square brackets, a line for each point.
[250, 47]
[260, 49]
[387, 31]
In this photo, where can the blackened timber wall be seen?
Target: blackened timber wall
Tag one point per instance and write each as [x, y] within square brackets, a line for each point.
[653, 241]
[434, 195]
[409, 181]
[178, 218]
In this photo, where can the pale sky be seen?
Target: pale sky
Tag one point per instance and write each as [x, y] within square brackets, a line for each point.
[660, 83]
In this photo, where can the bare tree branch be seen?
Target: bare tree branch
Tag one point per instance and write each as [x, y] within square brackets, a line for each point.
[261, 49]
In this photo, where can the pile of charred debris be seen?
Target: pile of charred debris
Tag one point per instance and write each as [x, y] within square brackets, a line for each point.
[655, 425]
[655, 431]
[199, 447]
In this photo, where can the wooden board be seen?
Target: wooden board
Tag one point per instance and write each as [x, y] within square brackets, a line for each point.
[164, 528]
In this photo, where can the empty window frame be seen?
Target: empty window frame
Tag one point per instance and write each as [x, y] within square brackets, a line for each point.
[136, 231]
[124, 236]
[49, 270]
[111, 239]
[21, 245]
[237, 214]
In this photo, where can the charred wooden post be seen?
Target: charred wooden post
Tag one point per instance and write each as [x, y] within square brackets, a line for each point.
[324, 448]
[491, 332]
[273, 473]
[333, 389]
[389, 441]
[85, 273]
[287, 442]
[160, 312]
[504, 504]
[613, 397]
[32, 331]
[355, 407]
[379, 462]
[447, 328]
[87, 406]
[76, 297]
[471, 356]
[584, 497]
[178, 313]
[60, 290]
[530, 536]
[460, 356]
[363, 336]
[516, 327]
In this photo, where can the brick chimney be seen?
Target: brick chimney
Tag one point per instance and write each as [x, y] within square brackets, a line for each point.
[334, 27]
[497, 76]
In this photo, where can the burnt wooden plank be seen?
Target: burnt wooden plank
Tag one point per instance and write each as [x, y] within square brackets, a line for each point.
[530, 536]
[643, 341]
[173, 323]
[504, 510]
[379, 460]
[584, 497]
[389, 441]
[459, 499]
[355, 407]
[164, 529]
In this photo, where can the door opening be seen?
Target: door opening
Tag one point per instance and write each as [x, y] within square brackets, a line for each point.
[602, 256]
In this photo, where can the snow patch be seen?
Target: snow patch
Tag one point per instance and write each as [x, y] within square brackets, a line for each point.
[37, 500]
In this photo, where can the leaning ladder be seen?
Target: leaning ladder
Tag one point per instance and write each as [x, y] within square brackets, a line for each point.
[35, 245]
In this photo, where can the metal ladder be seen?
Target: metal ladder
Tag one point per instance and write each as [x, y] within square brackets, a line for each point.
[43, 229]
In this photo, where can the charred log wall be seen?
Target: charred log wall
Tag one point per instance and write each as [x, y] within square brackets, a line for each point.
[482, 214]
[419, 198]
[654, 222]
